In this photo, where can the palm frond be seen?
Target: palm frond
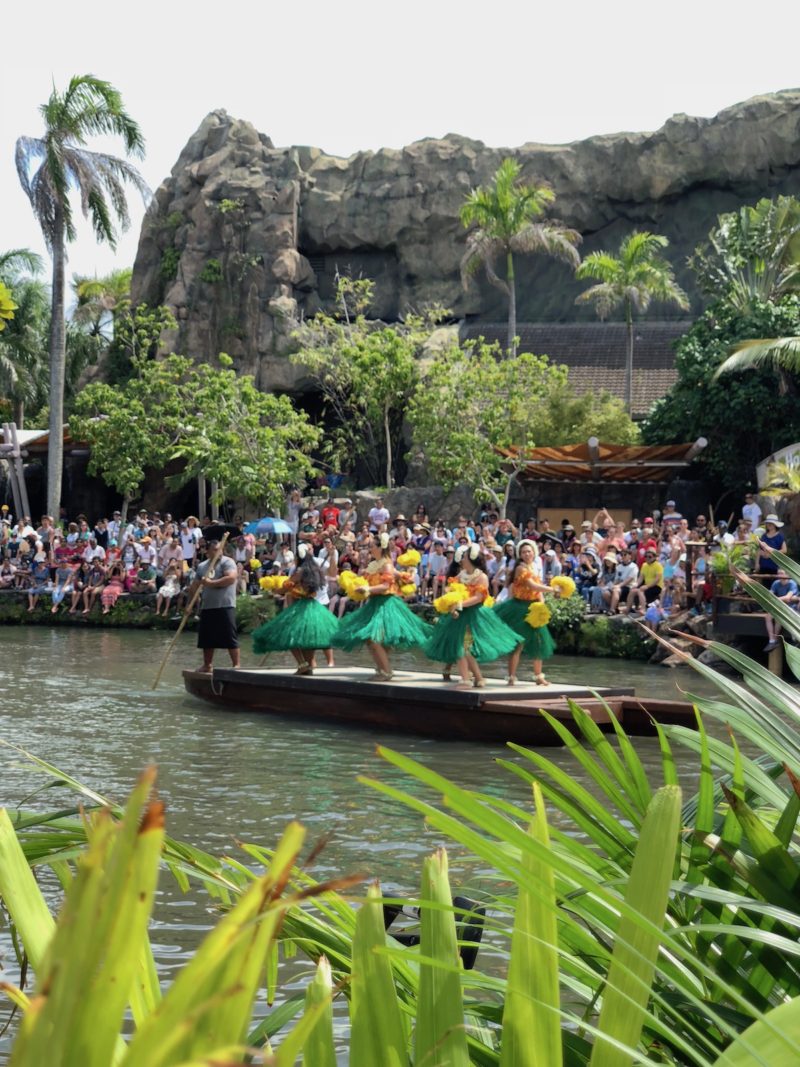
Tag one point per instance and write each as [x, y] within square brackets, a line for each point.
[16, 259]
[782, 352]
[551, 238]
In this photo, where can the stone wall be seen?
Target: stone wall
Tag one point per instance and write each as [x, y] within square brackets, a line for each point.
[243, 238]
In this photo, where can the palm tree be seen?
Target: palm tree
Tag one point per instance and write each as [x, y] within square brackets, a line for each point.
[782, 353]
[88, 106]
[633, 279]
[506, 218]
[97, 299]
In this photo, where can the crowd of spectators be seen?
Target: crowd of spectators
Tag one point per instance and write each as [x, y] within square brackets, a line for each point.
[638, 568]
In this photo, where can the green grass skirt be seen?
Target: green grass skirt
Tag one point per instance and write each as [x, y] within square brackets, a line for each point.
[539, 643]
[476, 630]
[304, 624]
[386, 620]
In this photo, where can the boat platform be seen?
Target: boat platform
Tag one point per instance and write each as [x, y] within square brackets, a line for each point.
[422, 703]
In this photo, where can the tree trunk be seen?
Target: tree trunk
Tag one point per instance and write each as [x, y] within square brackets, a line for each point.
[511, 345]
[19, 414]
[629, 360]
[387, 433]
[123, 514]
[55, 448]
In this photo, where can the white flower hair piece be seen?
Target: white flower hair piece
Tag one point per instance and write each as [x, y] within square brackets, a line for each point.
[384, 541]
[302, 551]
[460, 553]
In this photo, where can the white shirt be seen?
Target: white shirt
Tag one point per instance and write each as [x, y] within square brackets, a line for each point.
[146, 553]
[752, 512]
[90, 553]
[189, 539]
[377, 517]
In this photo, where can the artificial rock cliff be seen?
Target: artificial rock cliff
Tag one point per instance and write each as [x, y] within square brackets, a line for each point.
[243, 238]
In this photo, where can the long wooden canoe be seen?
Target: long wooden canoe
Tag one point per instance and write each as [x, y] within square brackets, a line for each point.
[420, 703]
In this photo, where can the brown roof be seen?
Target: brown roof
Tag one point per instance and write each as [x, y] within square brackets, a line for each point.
[593, 461]
[594, 353]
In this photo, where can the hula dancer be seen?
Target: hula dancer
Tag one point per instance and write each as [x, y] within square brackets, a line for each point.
[384, 621]
[304, 625]
[526, 589]
[470, 634]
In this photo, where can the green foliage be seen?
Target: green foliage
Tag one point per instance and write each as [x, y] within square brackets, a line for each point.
[7, 306]
[566, 615]
[211, 272]
[226, 205]
[752, 255]
[366, 372]
[214, 420]
[599, 635]
[743, 415]
[168, 267]
[173, 221]
[24, 372]
[632, 279]
[137, 336]
[474, 414]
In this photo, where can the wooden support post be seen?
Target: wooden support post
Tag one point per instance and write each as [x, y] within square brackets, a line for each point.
[775, 660]
[8, 455]
[23, 489]
[201, 497]
[594, 458]
[214, 502]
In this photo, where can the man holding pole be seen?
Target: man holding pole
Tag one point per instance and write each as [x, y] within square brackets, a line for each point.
[216, 578]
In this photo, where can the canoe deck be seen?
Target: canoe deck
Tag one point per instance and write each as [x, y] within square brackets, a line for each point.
[422, 703]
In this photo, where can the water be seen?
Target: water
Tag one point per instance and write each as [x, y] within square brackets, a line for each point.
[81, 699]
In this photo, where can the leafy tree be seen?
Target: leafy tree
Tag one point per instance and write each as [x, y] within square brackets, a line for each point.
[752, 255]
[23, 364]
[88, 107]
[7, 306]
[742, 415]
[366, 372]
[98, 299]
[507, 220]
[475, 414]
[631, 280]
[252, 444]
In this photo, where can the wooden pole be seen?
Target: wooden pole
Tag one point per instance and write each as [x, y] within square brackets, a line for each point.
[212, 564]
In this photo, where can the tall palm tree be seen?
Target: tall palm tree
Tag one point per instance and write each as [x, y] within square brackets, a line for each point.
[98, 298]
[89, 106]
[632, 279]
[506, 216]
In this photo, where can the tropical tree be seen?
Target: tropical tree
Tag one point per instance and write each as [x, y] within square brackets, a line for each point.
[632, 279]
[23, 349]
[97, 300]
[780, 353]
[506, 216]
[49, 168]
[752, 255]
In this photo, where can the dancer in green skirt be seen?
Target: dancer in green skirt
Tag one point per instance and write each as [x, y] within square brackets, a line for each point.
[525, 588]
[305, 625]
[383, 621]
[471, 634]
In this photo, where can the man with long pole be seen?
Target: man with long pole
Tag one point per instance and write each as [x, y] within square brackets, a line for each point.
[216, 577]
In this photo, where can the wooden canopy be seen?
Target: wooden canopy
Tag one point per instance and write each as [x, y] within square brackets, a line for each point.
[593, 461]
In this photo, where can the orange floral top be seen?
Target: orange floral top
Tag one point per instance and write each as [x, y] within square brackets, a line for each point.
[477, 583]
[381, 572]
[296, 591]
[522, 588]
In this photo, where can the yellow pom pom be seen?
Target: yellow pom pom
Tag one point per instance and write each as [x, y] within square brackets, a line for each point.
[359, 590]
[456, 592]
[562, 585]
[266, 581]
[489, 602]
[255, 564]
[410, 558]
[538, 614]
[409, 589]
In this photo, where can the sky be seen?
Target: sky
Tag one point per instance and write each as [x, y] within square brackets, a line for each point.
[351, 75]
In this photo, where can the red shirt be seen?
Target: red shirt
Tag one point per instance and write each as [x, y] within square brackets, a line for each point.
[330, 515]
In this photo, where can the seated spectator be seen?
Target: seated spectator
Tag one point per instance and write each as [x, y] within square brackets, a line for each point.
[62, 584]
[586, 574]
[626, 575]
[434, 577]
[144, 579]
[605, 581]
[603, 522]
[40, 578]
[551, 566]
[785, 589]
[79, 581]
[114, 587]
[649, 586]
[170, 589]
[94, 585]
[8, 574]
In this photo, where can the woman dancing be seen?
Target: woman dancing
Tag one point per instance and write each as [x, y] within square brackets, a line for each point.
[470, 634]
[304, 625]
[525, 587]
[383, 621]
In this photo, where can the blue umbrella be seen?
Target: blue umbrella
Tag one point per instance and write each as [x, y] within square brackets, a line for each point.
[267, 526]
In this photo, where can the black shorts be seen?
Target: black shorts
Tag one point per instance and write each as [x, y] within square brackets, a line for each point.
[217, 628]
[651, 593]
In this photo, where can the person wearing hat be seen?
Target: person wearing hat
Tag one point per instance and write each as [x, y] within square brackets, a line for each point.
[626, 575]
[146, 552]
[598, 602]
[347, 513]
[6, 516]
[525, 586]
[217, 627]
[772, 539]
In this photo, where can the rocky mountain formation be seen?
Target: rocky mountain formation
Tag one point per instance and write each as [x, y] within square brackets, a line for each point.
[244, 238]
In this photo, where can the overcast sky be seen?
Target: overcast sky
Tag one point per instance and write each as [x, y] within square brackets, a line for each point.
[352, 74]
